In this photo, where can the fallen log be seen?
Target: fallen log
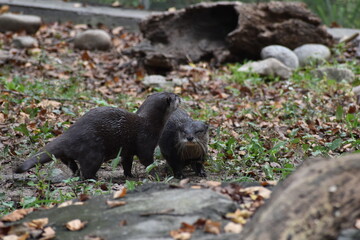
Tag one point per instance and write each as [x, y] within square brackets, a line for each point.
[225, 31]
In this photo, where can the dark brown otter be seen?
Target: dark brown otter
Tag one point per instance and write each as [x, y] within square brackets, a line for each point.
[183, 142]
[104, 132]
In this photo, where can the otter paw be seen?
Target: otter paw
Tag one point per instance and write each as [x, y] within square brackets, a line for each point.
[202, 174]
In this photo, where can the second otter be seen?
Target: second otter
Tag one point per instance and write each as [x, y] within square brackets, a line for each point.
[183, 142]
[104, 132]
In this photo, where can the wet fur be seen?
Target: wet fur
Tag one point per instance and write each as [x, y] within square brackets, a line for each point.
[184, 141]
[104, 132]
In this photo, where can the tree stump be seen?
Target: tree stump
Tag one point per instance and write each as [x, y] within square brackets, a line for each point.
[225, 31]
[316, 202]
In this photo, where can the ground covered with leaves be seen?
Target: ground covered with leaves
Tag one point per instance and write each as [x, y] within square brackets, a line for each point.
[261, 128]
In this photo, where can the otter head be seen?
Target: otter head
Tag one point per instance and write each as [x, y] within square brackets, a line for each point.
[159, 104]
[193, 139]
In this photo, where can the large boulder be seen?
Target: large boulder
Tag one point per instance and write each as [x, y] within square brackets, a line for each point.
[269, 67]
[335, 73]
[16, 22]
[225, 31]
[281, 53]
[312, 53]
[93, 39]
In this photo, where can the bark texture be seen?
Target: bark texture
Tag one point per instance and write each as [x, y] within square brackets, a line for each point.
[225, 31]
[314, 203]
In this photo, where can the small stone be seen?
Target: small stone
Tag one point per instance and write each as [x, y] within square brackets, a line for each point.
[161, 82]
[334, 73]
[281, 53]
[268, 67]
[309, 53]
[25, 42]
[93, 39]
[16, 22]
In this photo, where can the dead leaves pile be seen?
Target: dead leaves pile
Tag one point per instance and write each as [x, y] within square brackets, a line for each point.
[40, 229]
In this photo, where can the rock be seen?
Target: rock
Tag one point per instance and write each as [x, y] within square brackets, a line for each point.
[268, 67]
[150, 212]
[15, 22]
[25, 42]
[308, 53]
[349, 234]
[356, 91]
[334, 73]
[161, 82]
[281, 53]
[93, 39]
[341, 33]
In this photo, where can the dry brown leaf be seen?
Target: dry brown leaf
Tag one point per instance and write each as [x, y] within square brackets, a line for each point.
[65, 204]
[112, 204]
[184, 181]
[212, 227]
[357, 223]
[212, 183]
[75, 225]
[233, 228]
[179, 235]
[16, 215]
[261, 191]
[185, 227]
[48, 233]
[4, 9]
[239, 216]
[49, 104]
[37, 223]
[15, 237]
[196, 187]
[119, 194]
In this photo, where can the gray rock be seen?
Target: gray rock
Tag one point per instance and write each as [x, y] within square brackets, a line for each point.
[334, 73]
[268, 67]
[340, 33]
[309, 53]
[15, 22]
[142, 213]
[93, 39]
[25, 42]
[349, 234]
[161, 82]
[281, 53]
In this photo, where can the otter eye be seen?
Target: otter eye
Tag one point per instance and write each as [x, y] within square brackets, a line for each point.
[199, 131]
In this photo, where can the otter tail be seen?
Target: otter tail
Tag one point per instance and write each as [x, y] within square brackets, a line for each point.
[39, 158]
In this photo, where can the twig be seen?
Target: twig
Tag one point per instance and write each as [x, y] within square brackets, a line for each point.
[162, 212]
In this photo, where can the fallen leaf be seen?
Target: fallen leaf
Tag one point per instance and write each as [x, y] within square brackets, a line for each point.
[122, 223]
[212, 227]
[239, 216]
[48, 233]
[357, 223]
[119, 194]
[187, 227]
[179, 235]
[212, 183]
[84, 197]
[112, 204]
[233, 228]
[16, 215]
[75, 225]
[37, 223]
[4, 9]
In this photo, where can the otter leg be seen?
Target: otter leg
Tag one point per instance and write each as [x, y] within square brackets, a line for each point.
[90, 164]
[126, 162]
[198, 168]
[177, 166]
[71, 164]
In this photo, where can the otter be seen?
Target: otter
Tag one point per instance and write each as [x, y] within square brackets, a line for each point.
[105, 132]
[183, 142]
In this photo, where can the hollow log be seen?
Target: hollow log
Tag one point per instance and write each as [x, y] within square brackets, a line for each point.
[225, 31]
[316, 202]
